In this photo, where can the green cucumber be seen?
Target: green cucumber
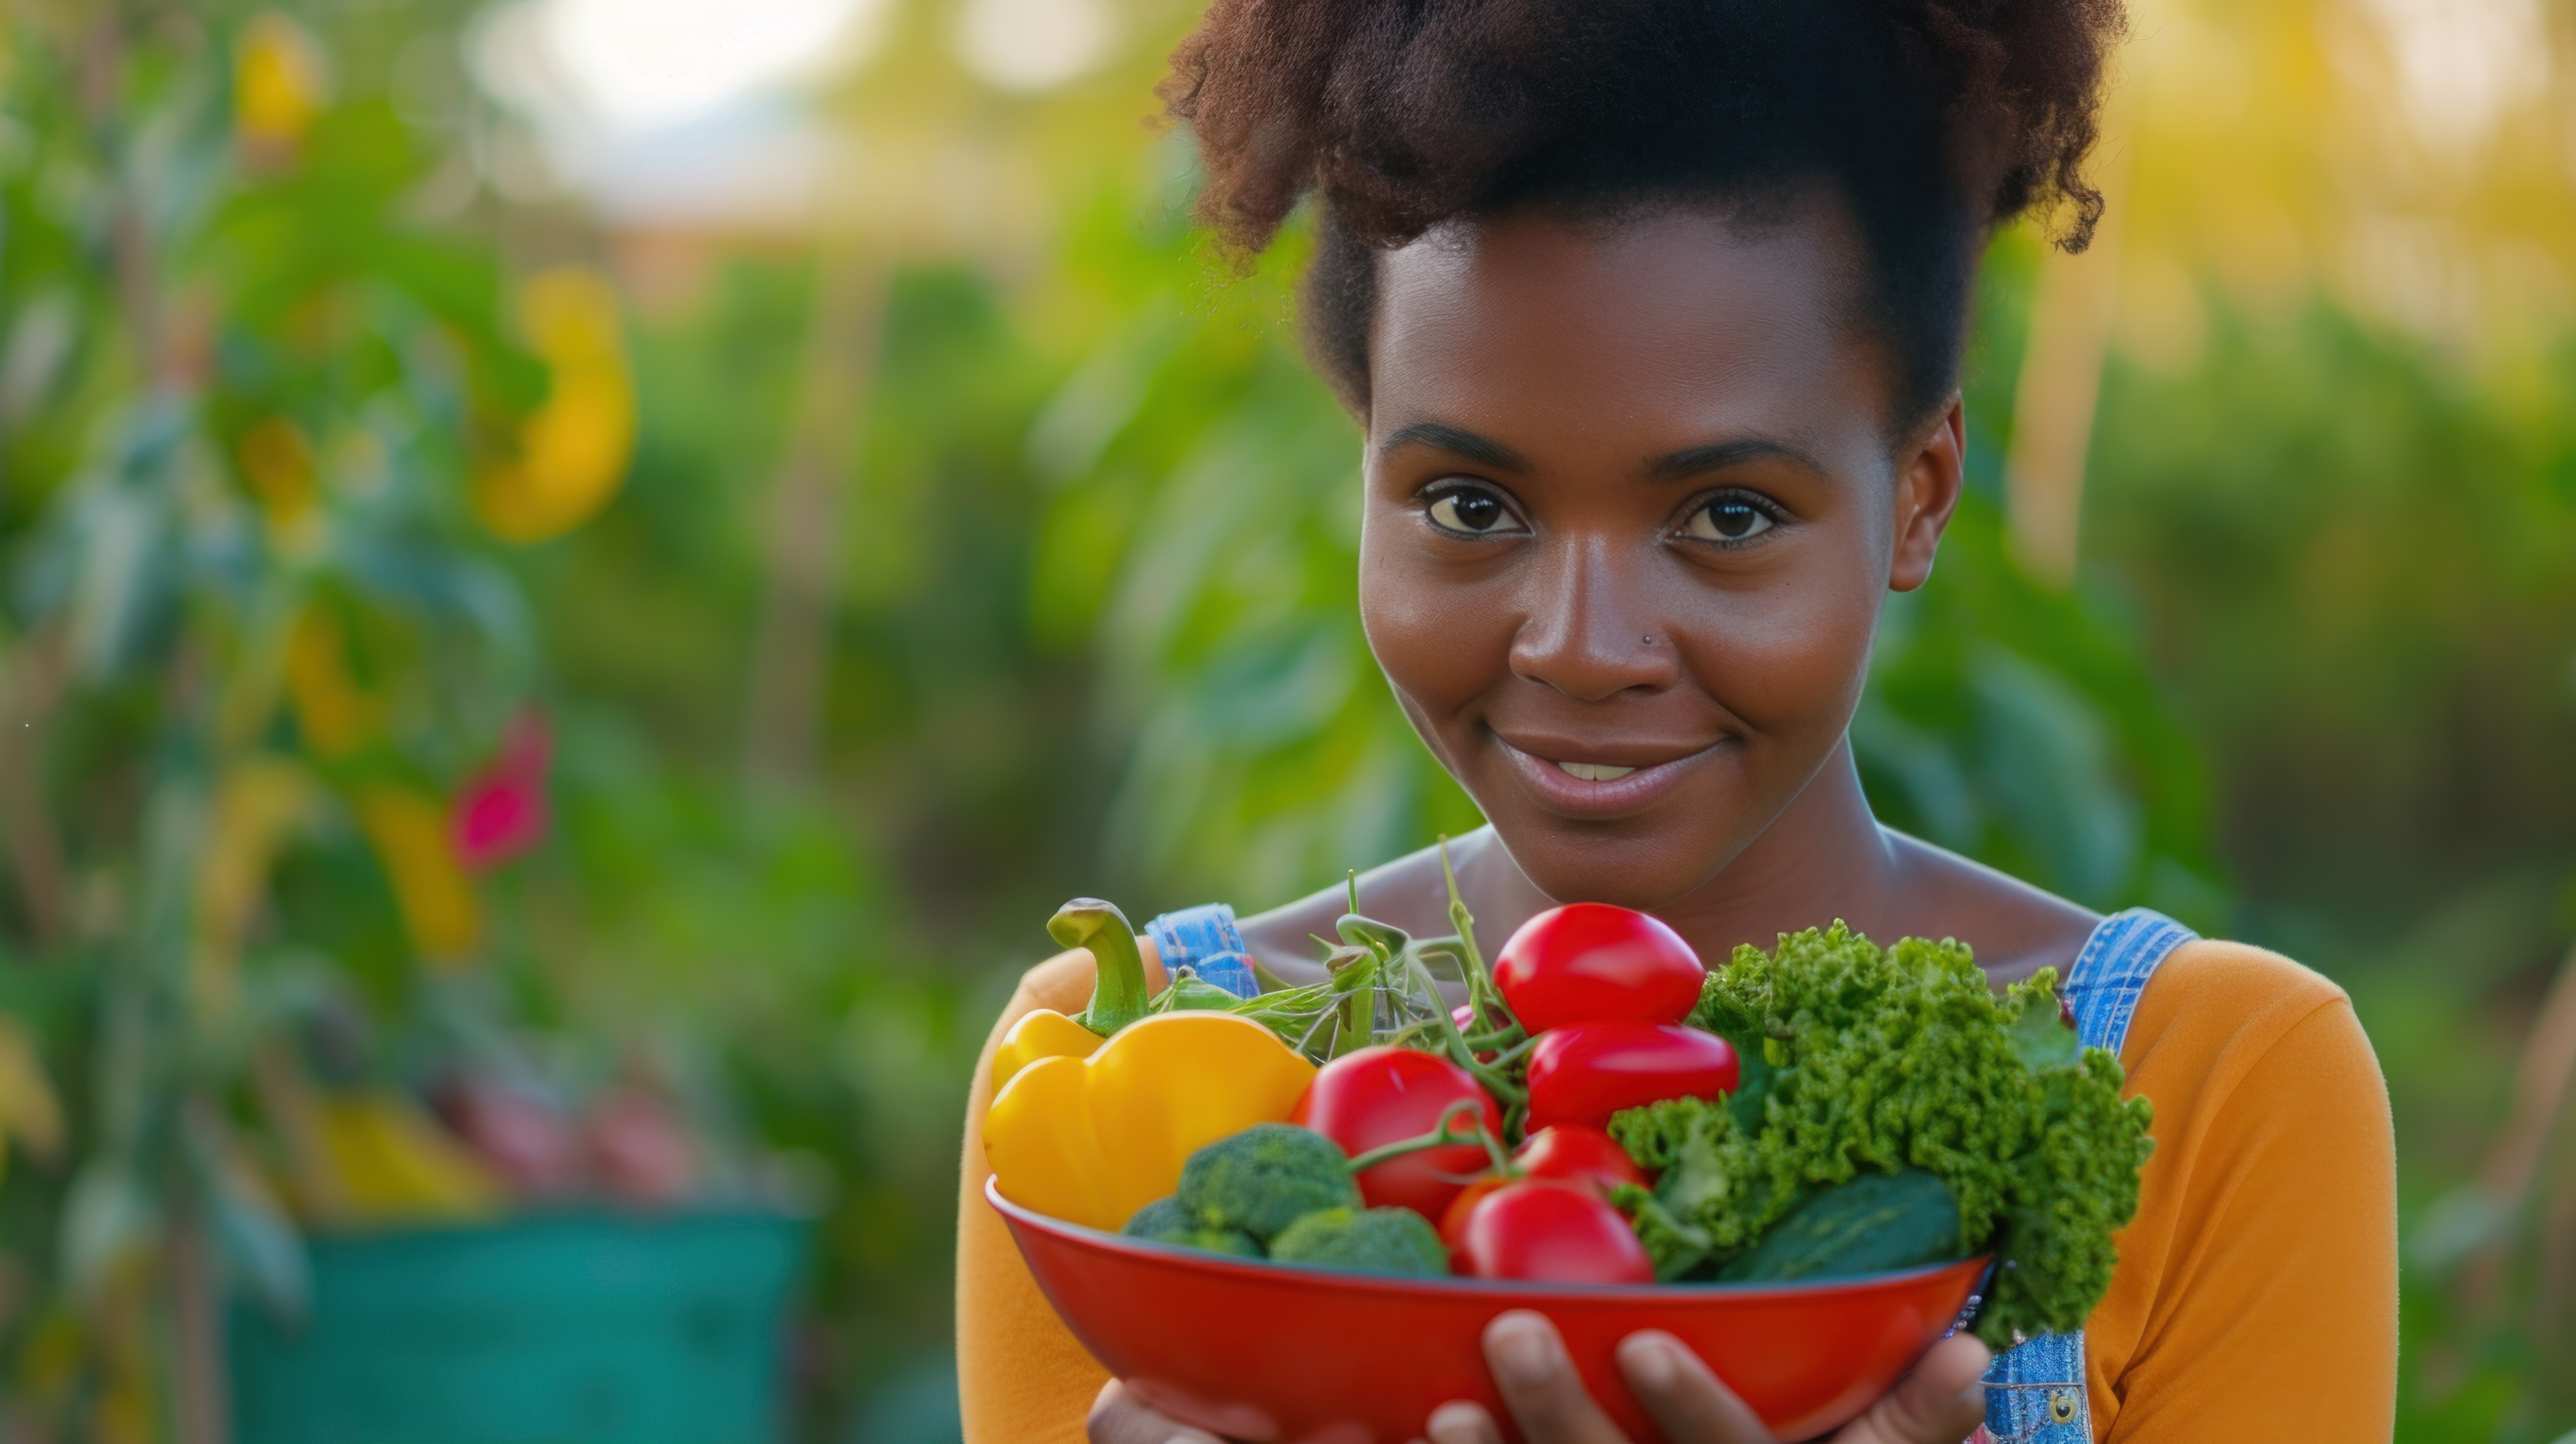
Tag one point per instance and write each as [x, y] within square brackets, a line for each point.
[1876, 1223]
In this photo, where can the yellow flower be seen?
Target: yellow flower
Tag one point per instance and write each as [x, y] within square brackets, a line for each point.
[29, 1111]
[574, 448]
[412, 839]
[257, 804]
[278, 82]
[278, 463]
[336, 714]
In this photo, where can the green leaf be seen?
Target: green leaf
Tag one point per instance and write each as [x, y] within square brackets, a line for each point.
[2041, 1037]
[259, 1244]
[107, 1216]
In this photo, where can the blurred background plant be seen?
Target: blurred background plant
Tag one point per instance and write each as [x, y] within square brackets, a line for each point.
[598, 560]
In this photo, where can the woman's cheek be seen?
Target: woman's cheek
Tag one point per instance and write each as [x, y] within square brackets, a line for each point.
[1441, 644]
[1788, 660]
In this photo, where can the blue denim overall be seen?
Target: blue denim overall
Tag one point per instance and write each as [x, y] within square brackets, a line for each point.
[2035, 1391]
[1204, 941]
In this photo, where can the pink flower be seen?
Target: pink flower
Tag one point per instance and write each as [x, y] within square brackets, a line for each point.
[502, 813]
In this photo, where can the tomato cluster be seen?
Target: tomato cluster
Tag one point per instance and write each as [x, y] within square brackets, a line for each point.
[1600, 992]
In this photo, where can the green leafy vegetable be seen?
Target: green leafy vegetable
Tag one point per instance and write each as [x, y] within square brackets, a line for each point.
[1884, 1060]
[1876, 1223]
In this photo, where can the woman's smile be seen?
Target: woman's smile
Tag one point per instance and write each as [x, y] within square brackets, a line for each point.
[1576, 780]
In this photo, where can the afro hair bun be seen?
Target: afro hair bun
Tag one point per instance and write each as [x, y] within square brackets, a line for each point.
[1934, 120]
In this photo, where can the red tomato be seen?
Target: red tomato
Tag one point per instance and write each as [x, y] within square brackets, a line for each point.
[1379, 1096]
[1553, 1232]
[1453, 1220]
[1594, 963]
[1585, 1073]
[1567, 1153]
[1577, 1154]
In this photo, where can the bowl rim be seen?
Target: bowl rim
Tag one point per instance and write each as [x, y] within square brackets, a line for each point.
[1463, 1287]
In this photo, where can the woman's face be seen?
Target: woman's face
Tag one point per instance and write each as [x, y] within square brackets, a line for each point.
[1632, 505]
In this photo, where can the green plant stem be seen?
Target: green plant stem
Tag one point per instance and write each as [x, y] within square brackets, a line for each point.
[1442, 1137]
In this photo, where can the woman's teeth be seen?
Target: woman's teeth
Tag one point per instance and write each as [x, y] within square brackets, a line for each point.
[1593, 771]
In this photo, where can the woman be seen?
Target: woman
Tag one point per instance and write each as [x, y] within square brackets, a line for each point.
[1651, 313]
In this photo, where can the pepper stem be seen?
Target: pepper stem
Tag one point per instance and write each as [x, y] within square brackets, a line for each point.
[1118, 995]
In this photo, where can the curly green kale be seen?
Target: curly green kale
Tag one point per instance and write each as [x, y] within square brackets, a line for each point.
[1884, 1060]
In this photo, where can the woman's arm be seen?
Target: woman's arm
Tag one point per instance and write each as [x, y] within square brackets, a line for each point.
[1021, 1377]
[2259, 1289]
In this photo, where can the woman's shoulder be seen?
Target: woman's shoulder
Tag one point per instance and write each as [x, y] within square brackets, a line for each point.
[2237, 987]
[2242, 976]
[2218, 1013]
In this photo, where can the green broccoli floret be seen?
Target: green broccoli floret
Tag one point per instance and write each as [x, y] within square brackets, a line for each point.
[1265, 1178]
[1369, 1241]
[1883, 1060]
[1160, 1219]
[1165, 1221]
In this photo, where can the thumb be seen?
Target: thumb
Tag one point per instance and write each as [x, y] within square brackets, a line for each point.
[1939, 1403]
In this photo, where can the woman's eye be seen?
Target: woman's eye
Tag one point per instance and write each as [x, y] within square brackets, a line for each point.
[1728, 519]
[1477, 513]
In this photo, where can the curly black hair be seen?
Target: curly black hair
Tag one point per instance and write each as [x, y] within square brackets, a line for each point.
[1931, 121]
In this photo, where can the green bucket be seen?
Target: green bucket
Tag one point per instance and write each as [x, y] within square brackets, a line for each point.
[555, 1329]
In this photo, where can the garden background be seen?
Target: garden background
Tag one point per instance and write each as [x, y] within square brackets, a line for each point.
[618, 557]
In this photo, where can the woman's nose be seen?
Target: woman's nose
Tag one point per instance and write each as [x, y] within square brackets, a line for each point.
[1587, 629]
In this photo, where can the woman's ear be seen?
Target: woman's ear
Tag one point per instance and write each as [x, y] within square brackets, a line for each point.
[1927, 493]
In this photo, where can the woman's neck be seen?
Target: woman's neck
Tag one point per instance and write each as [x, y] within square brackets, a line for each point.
[1824, 857]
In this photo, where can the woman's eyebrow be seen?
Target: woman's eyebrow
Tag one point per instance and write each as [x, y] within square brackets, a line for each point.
[1700, 460]
[1483, 450]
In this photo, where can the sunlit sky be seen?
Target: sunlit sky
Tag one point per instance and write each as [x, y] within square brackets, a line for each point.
[683, 110]
[642, 65]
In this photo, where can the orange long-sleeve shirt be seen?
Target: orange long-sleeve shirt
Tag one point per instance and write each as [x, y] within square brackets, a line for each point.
[2256, 1295]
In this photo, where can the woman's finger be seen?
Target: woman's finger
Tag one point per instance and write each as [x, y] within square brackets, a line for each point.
[1677, 1390]
[1463, 1423]
[1939, 1403]
[1119, 1417]
[1538, 1381]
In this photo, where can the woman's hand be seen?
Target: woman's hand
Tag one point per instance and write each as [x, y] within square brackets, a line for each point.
[1119, 1417]
[1939, 1403]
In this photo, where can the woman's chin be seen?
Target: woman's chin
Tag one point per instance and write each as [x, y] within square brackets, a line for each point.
[1649, 872]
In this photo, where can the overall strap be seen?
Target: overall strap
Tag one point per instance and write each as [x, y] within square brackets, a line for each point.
[1204, 941]
[2103, 987]
[2035, 1391]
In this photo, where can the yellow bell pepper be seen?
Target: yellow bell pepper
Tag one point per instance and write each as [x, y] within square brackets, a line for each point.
[1045, 1033]
[1093, 1139]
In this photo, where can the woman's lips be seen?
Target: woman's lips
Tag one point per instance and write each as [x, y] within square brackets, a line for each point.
[1597, 790]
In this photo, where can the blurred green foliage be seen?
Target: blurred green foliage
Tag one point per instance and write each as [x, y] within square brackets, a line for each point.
[2356, 562]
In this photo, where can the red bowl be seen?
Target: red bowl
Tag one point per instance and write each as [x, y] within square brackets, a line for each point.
[1304, 1356]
